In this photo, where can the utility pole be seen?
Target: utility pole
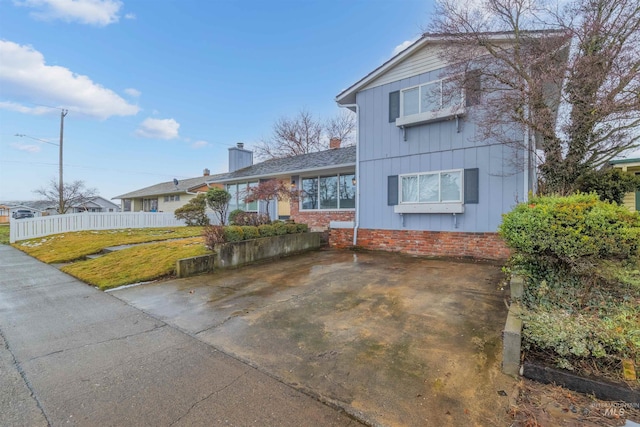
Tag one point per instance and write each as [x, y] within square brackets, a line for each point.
[63, 114]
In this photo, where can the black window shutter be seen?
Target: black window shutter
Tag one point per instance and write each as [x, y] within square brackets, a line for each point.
[472, 88]
[471, 186]
[392, 190]
[394, 106]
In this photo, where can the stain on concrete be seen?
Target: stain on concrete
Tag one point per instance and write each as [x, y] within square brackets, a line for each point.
[395, 340]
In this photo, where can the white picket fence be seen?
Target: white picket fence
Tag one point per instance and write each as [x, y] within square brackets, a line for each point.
[28, 228]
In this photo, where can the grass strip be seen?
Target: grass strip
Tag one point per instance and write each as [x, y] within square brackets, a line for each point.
[136, 264]
[67, 247]
[4, 234]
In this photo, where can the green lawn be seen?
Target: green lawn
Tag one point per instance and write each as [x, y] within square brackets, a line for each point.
[4, 234]
[67, 247]
[136, 264]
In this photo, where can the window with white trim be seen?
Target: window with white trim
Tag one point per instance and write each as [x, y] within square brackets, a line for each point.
[431, 187]
[430, 97]
[172, 198]
[328, 192]
[238, 192]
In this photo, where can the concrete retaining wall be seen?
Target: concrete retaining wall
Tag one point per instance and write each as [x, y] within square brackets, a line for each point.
[512, 333]
[248, 251]
[240, 253]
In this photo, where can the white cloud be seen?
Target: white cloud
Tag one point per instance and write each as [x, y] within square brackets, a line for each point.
[13, 106]
[132, 92]
[92, 12]
[402, 46]
[31, 148]
[130, 16]
[25, 78]
[158, 128]
[199, 144]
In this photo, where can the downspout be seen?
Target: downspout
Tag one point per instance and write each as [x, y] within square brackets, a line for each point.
[357, 173]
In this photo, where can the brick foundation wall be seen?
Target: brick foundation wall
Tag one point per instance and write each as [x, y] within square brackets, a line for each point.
[429, 243]
[319, 220]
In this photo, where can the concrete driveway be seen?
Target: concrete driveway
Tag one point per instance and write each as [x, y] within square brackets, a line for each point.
[391, 339]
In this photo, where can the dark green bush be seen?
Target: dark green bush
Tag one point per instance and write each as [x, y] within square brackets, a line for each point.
[291, 228]
[233, 214]
[266, 230]
[250, 232]
[233, 233]
[302, 228]
[193, 212]
[213, 235]
[280, 228]
[572, 228]
[610, 184]
[580, 260]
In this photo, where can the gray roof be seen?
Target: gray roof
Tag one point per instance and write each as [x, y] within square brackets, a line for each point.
[327, 159]
[168, 187]
[38, 205]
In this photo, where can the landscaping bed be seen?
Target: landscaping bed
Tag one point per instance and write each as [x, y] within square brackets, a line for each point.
[580, 260]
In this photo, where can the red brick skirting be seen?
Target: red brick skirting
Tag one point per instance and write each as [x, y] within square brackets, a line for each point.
[319, 220]
[419, 242]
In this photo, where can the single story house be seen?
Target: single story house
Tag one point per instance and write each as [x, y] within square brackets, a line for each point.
[95, 204]
[631, 200]
[165, 196]
[325, 181]
[425, 184]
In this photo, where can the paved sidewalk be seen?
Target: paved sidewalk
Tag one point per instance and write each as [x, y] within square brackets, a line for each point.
[70, 354]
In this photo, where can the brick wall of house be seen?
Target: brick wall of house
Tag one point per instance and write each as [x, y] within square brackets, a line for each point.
[429, 243]
[319, 220]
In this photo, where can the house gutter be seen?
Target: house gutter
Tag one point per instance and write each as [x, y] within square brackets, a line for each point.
[357, 172]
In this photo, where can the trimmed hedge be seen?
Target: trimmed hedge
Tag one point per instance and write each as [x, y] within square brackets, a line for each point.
[580, 258]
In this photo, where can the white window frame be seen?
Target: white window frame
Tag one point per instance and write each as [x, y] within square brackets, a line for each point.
[429, 116]
[440, 206]
[319, 209]
[240, 193]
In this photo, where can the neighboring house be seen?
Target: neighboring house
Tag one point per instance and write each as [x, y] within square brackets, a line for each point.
[326, 181]
[166, 196]
[426, 185]
[631, 200]
[95, 204]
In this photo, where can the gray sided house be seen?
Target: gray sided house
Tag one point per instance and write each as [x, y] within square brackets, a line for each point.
[425, 184]
[325, 180]
[165, 196]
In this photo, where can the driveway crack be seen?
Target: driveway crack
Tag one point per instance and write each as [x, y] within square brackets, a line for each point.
[226, 386]
[99, 342]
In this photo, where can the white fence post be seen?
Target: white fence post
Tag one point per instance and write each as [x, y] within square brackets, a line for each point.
[29, 228]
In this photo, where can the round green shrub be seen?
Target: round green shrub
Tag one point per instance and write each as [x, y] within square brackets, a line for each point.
[291, 228]
[233, 233]
[569, 228]
[233, 214]
[250, 232]
[280, 228]
[266, 230]
[302, 228]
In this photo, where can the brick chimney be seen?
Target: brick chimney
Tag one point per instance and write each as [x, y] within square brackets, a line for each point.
[334, 143]
[206, 172]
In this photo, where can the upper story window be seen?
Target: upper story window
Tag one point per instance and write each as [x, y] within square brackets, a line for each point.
[329, 192]
[433, 101]
[430, 97]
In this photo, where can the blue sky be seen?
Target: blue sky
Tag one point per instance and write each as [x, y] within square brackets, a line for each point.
[160, 89]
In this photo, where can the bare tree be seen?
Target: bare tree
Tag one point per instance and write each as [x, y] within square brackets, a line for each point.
[73, 194]
[304, 134]
[564, 73]
[342, 126]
